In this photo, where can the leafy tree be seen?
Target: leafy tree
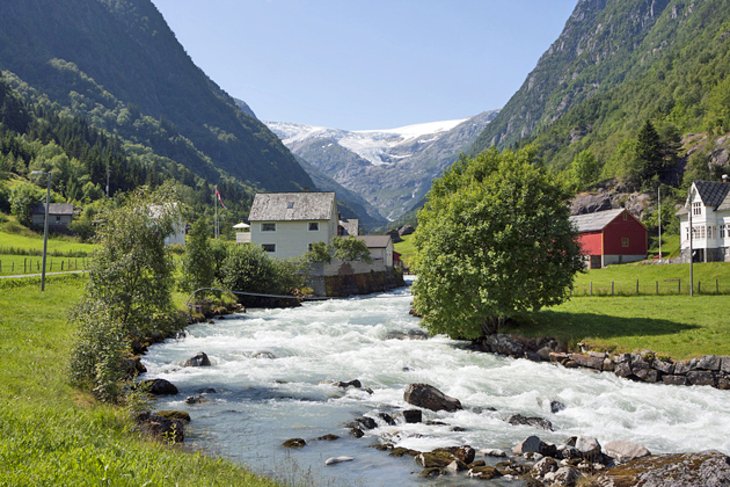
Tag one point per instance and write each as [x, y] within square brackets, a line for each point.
[248, 268]
[319, 252]
[22, 199]
[584, 170]
[493, 239]
[350, 249]
[198, 267]
[128, 294]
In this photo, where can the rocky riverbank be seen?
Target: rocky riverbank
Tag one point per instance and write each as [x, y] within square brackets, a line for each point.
[646, 366]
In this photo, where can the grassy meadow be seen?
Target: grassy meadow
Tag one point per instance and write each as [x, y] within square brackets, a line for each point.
[52, 434]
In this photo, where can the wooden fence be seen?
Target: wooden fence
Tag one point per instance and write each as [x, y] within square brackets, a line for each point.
[664, 287]
[13, 265]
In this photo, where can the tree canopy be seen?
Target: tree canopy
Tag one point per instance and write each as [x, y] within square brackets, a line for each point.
[493, 239]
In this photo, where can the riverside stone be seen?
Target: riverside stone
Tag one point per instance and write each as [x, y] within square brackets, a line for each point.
[647, 375]
[294, 443]
[200, 360]
[159, 387]
[623, 451]
[544, 466]
[588, 360]
[165, 429]
[336, 460]
[709, 362]
[518, 419]
[556, 406]
[504, 345]
[725, 365]
[427, 396]
[413, 415]
[674, 380]
[707, 469]
[564, 476]
[663, 366]
[700, 378]
[623, 369]
[174, 414]
[493, 452]
[588, 446]
[529, 444]
[483, 473]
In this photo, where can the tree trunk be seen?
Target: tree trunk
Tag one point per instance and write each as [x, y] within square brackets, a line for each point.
[492, 325]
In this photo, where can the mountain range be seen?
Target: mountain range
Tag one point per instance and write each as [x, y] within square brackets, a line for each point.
[390, 169]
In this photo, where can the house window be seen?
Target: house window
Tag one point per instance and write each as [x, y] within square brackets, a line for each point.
[722, 231]
[269, 247]
[702, 231]
[697, 208]
[58, 219]
[289, 205]
[268, 227]
[313, 226]
[624, 241]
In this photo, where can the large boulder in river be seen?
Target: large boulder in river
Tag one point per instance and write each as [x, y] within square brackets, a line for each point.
[165, 429]
[200, 360]
[708, 469]
[427, 396]
[158, 387]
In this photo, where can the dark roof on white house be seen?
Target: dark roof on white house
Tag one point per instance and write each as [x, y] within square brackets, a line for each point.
[712, 193]
[292, 206]
[375, 241]
[54, 209]
[594, 222]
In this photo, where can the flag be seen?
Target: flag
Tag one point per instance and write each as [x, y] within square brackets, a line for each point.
[218, 195]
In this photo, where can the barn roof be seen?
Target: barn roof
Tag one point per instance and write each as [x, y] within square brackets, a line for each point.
[594, 222]
[375, 241]
[292, 206]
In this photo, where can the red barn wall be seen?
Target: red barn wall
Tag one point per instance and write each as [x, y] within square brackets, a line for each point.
[620, 228]
[590, 243]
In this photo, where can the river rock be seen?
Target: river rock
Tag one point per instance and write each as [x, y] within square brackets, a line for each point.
[647, 375]
[196, 399]
[544, 466]
[529, 444]
[588, 446]
[200, 360]
[168, 430]
[353, 383]
[413, 415]
[556, 406]
[158, 387]
[681, 368]
[328, 437]
[623, 451]
[464, 453]
[438, 459]
[723, 383]
[663, 366]
[357, 432]
[590, 360]
[387, 418]
[483, 473]
[174, 414]
[455, 466]
[366, 422]
[707, 469]
[725, 365]
[264, 355]
[427, 396]
[564, 476]
[336, 460]
[674, 380]
[294, 443]
[518, 419]
[493, 452]
[623, 369]
[504, 345]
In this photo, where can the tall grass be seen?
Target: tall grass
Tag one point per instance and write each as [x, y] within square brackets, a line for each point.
[50, 433]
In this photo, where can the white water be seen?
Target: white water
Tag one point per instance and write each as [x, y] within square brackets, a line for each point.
[260, 402]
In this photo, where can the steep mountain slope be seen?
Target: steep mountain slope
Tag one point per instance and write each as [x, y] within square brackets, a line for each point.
[118, 63]
[616, 65]
[391, 169]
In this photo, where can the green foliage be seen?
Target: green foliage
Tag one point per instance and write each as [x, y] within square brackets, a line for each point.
[584, 170]
[128, 294]
[351, 249]
[319, 252]
[198, 267]
[248, 268]
[22, 199]
[493, 239]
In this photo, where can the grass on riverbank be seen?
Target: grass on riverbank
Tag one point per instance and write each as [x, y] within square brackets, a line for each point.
[406, 249]
[675, 326]
[51, 434]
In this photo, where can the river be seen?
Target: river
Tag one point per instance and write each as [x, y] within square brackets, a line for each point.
[262, 399]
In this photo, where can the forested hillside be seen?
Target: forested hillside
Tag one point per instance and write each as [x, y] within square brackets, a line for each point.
[117, 64]
[617, 66]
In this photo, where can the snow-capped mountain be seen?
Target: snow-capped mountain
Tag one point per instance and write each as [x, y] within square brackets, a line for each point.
[392, 169]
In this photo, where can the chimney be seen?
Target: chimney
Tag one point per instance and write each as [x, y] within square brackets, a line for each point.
[725, 178]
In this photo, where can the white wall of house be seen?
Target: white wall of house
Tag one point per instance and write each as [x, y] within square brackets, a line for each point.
[178, 234]
[383, 255]
[711, 228]
[292, 238]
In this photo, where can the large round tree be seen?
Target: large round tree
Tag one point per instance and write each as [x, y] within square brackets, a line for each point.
[493, 239]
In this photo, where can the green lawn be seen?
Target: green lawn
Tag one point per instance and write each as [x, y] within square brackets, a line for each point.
[34, 242]
[670, 278]
[50, 433]
[676, 326]
[406, 249]
[31, 264]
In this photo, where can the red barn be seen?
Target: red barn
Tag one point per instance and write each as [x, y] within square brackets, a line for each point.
[611, 237]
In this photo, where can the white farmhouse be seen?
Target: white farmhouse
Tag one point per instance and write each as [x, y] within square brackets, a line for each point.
[381, 249]
[709, 202]
[286, 224]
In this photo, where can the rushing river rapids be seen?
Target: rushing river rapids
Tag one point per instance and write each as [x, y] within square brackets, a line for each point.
[262, 399]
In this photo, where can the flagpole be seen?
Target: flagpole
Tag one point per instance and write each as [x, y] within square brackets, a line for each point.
[215, 200]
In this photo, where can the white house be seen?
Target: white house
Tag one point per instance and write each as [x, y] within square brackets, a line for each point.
[381, 249]
[709, 202]
[286, 224]
[178, 225]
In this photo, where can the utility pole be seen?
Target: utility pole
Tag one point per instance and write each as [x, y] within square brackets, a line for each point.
[45, 226]
[690, 198]
[215, 202]
[659, 206]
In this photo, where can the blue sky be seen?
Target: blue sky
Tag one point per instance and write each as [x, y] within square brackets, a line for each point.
[371, 64]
